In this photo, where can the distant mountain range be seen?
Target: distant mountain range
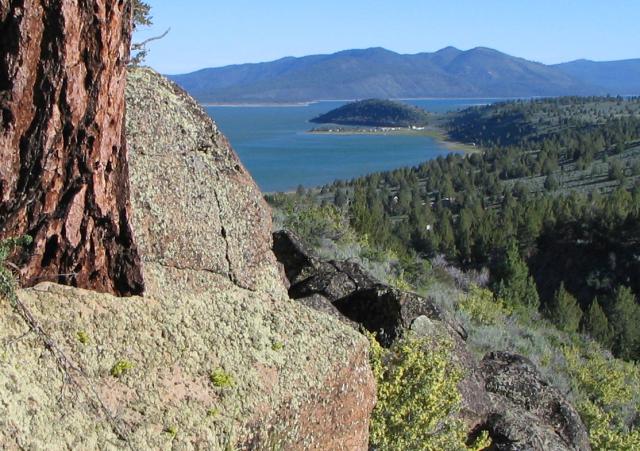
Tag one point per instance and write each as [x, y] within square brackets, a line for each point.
[380, 73]
[616, 77]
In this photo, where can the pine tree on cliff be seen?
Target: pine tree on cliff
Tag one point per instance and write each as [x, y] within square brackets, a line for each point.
[64, 176]
[625, 317]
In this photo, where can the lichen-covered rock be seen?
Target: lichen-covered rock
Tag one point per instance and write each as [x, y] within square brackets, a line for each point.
[216, 354]
[308, 275]
[529, 414]
[195, 206]
[294, 372]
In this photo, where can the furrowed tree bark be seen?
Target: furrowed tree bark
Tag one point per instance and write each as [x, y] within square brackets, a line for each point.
[64, 176]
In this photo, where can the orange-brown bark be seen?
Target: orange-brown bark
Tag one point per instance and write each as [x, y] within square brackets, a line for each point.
[63, 157]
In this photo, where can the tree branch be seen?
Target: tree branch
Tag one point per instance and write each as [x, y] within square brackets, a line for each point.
[140, 45]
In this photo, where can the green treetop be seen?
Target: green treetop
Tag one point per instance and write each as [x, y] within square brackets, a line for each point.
[564, 310]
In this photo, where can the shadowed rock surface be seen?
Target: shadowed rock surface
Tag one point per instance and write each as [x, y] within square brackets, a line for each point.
[64, 175]
[529, 414]
[215, 301]
[380, 308]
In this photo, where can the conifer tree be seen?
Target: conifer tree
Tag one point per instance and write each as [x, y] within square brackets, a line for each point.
[516, 286]
[597, 325]
[340, 198]
[625, 317]
[564, 310]
[141, 13]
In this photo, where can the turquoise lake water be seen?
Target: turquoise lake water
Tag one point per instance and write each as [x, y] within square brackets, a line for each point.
[273, 144]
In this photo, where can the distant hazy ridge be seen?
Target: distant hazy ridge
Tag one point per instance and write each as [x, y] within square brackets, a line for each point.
[376, 72]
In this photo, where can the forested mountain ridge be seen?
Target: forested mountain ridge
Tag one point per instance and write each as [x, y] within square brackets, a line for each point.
[380, 73]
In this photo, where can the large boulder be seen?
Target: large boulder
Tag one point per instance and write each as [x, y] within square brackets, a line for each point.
[296, 374]
[215, 355]
[529, 414]
[195, 205]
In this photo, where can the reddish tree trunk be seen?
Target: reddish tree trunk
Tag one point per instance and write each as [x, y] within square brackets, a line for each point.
[64, 176]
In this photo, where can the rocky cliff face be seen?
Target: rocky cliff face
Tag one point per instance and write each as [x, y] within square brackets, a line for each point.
[215, 354]
[64, 172]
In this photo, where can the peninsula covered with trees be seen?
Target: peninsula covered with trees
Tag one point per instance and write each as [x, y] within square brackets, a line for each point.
[375, 113]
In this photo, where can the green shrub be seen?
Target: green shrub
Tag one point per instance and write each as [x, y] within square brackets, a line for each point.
[418, 397]
[312, 222]
[483, 307]
[83, 337]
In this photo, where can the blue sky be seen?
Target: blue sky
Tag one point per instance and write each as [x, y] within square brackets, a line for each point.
[211, 33]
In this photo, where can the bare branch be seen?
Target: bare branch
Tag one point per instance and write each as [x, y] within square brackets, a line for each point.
[140, 45]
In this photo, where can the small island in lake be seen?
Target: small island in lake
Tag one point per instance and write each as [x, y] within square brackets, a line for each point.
[376, 113]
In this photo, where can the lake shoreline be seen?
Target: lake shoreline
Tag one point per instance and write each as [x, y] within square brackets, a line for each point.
[274, 145]
[436, 133]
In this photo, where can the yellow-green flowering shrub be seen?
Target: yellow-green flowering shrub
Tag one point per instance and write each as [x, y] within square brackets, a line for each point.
[400, 282]
[418, 397]
[482, 306]
[607, 391]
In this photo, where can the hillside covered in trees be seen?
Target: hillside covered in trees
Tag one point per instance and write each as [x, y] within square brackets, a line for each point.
[533, 245]
[558, 188]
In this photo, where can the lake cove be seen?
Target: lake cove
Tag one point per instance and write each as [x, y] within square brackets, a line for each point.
[274, 144]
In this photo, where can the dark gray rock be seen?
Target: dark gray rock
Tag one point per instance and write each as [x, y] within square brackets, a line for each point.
[361, 298]
[322, 304]
[529, 413]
